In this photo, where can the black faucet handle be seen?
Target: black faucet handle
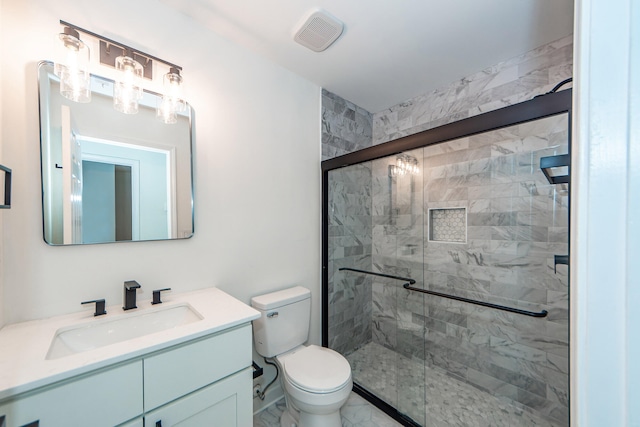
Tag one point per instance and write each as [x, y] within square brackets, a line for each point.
[131, 284]
[100, 306]
[156, 295]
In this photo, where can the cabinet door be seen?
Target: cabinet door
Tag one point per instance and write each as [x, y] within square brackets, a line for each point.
[175, 373]
[227, 403]
[102, 399]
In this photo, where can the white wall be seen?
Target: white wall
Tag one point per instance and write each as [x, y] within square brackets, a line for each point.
[1, 213]
[257, 174]
[605, 210]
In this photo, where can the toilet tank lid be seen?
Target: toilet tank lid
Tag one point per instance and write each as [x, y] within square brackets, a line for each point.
[280, 298]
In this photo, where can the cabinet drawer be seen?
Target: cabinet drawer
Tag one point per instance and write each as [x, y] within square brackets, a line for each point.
[227, 403]
[178, 372]
[104, 399]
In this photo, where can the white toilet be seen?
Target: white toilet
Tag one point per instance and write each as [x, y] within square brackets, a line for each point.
[316, 380]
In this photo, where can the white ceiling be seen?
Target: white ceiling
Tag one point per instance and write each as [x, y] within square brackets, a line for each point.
[390, 50]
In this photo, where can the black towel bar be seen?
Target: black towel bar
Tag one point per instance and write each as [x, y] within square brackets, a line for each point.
[7, 187]
[410, 282]
[547, 163]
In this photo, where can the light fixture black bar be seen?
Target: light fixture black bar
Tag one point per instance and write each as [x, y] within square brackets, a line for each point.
[410, 282]
[110, 52]
[121, 45]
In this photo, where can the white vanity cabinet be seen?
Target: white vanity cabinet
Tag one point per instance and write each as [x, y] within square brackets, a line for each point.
[195, 373]
[204, 382]
[104, 398]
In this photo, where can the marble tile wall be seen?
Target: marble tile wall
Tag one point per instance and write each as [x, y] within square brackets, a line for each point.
[506, 83]
[345, 126]
[350, 301]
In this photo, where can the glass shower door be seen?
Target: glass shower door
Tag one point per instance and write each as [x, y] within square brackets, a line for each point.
[480, 223]
[397, 249]
[375, 226]
[496, 232]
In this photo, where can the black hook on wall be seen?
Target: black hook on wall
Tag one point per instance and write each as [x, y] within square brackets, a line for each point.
[7, 187]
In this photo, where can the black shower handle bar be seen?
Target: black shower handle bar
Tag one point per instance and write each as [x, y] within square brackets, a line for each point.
[410, 282]
[389, 276]
[542, 313]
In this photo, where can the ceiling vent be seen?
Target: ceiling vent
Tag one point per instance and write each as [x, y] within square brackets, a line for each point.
[319, 31]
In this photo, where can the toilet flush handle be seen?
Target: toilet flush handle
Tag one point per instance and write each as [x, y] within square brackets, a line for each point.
[272, 314]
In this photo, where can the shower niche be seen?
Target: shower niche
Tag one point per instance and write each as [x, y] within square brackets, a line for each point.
[448, 225]
[468, 214]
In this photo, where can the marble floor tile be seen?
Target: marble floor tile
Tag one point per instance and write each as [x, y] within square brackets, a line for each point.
[436, 399]
[357, 412]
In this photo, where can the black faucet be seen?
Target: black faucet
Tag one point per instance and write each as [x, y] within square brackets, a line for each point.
[130, 287]
[100, 303]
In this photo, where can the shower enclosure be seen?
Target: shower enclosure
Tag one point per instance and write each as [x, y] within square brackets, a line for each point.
[445, 276]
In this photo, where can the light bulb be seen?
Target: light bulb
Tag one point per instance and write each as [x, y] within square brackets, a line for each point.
[73, 66]
[172, 100]
[127, 90]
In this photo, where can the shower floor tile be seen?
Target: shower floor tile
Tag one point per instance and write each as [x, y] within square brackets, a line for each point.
[357, 412]
[449, 402]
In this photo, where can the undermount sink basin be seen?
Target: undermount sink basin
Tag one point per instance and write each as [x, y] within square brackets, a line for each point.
[102, 332]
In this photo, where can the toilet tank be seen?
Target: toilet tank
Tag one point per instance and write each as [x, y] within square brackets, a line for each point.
[284, 320]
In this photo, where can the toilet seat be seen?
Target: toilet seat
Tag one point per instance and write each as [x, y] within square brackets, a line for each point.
[316, 369]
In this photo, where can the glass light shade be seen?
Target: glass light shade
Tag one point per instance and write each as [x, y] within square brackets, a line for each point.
[166, 111]
[405, 164]
[127, 90]
[72, 67]
[172, 100]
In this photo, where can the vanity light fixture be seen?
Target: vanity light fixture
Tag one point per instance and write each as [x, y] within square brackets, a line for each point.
[172, 101]
[131, 65]
[405, 165]
[73, 68]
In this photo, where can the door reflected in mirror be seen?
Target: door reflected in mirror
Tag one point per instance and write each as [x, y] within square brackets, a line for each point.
[109, 176]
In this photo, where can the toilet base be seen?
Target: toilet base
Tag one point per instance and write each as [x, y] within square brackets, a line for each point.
[315, 420]
[287, 420]
[310, 420]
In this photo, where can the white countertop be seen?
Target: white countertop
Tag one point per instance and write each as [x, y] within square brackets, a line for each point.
[24, 346]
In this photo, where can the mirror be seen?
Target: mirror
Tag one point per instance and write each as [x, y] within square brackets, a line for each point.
[109, 176]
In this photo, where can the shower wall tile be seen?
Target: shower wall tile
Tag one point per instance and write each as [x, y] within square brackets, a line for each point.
[350, 245]
[345, 126]
[506, 83]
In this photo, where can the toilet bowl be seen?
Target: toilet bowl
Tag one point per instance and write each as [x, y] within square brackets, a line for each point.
[316, 380]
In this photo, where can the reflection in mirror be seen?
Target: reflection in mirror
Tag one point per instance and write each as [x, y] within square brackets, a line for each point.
[109, 176]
